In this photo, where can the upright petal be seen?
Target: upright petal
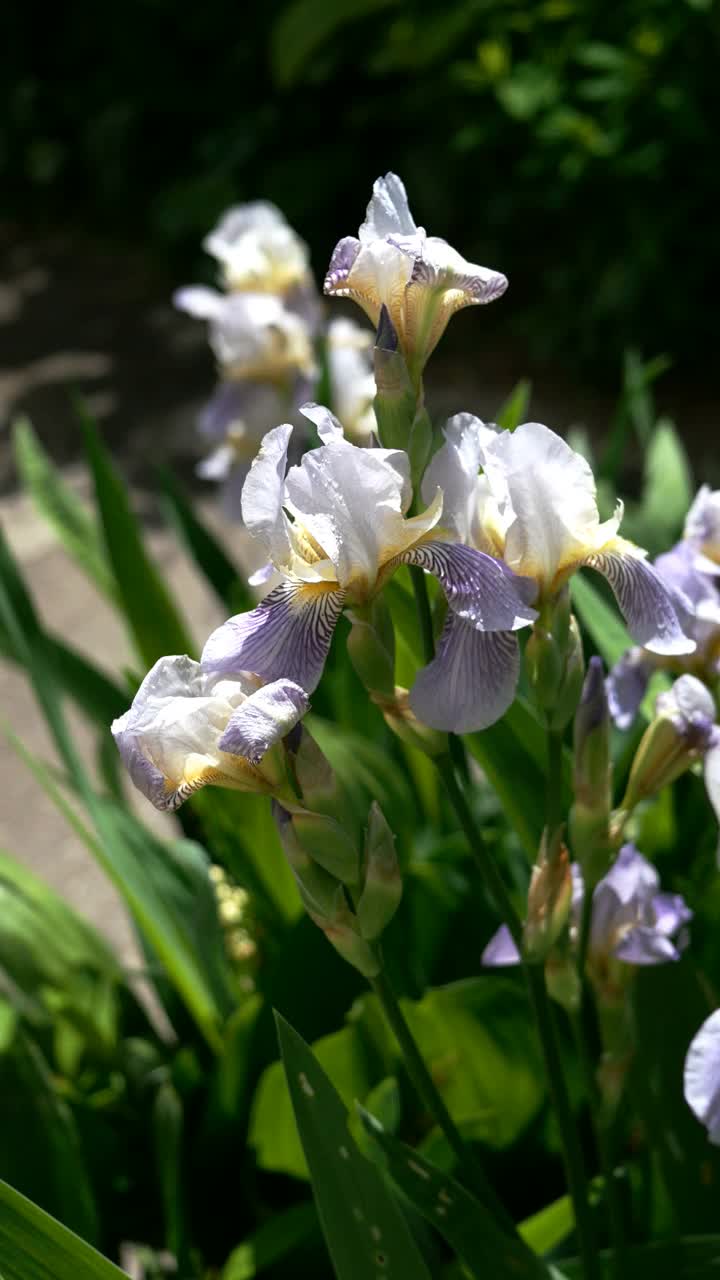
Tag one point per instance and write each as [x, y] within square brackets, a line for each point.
[656, 614]
[702, 1076]
[500, 950]
[287, 636]
[263, 719]
[263, 494]
[351, 501]
[548, 493]
[455, 470]
[480, 589]
[388, 213]
[470, 682]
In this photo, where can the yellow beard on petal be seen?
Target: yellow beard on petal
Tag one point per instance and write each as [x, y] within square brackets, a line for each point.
[224, 771]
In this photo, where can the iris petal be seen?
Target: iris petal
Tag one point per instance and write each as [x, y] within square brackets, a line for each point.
[655, 613]
[287, 636]
[479, 588]
[263, 719]
[702, 1076]
[470, 682]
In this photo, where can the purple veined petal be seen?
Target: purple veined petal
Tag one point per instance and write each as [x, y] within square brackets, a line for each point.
[480, 589]
[263, 719]
[645, 945]
[341, 264]
[441, 267]
[702, 1076]
[500, 950]
[656, 614]
[470, 682]
[626, 686]
[287, 636]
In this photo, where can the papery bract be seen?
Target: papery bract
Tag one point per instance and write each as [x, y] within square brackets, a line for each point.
[421, 279]
[188, 728]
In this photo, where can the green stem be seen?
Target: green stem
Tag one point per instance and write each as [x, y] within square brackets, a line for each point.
[553, 794]
[572, 1151]
[430, 1097]
[424, 614]
[602, 1141]
[482, 855]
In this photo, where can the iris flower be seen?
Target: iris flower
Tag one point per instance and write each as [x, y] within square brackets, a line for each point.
[352, 381]
[335, 527]
[259, 252]
[419, 278]
[702, 1076]
[252, 335]
[535, 507]
[188, 728]
[632, 920]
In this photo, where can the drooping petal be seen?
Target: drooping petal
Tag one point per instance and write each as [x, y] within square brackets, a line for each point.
[655, 613]
[455, 470]
[702, 1076]
[443, 282]
[470, 682]
[263, 493]
[388, 212]
[263, 719]
[500, 950]
[374, 274]
[702, 523]
[645, 945]
[169, 739]
[547, 491]
[480, 589]
[287, 636]
[626, 686]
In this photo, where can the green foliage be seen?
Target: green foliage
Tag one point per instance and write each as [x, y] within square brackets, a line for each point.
[33, 1246]
[363, 1226]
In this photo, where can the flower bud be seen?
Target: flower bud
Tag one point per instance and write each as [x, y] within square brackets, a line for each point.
[682, 732]
[395, 402]
[544, 663]
[400, 717]
[571, 682]
[590, 813]
[382, 888]
[318, 889]
[324, 840]
[371, 646]
[549, 898]
[562, 978]
[340, 928]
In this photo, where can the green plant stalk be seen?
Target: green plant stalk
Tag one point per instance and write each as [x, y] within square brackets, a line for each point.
[424, 612]
[572, 1152]
[602, 1140]
[429, 1095]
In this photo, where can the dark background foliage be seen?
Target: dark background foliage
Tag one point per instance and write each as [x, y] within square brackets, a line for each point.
[568, 142]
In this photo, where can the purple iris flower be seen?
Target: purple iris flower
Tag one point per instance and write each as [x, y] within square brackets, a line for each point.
[702, 1076]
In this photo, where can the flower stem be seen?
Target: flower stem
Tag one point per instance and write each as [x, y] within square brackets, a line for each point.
[602, 1140]
[423, 609]
[544, 1017]
[430, 1097]
[553, 793]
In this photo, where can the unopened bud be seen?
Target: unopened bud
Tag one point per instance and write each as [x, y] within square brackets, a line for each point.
[682, 732]
[400, 717]
[571, 681]
[562, 978]
[549, 898]
[340, 928]
[382, 887]
[395, 402]
[318, 889]
[544, 663]
[326, 841]
[371, 646]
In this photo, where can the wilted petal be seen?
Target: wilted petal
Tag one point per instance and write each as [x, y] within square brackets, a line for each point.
[702, 1076]
[500, 950]
[480, 589]
[626, 686]
[388, 213]
[263, 719]
[656, 614]
[470, 682]
[547, 492]
[287, 636]
[263, 493]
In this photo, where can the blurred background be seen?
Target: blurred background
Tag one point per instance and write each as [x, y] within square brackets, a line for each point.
[568, 143]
